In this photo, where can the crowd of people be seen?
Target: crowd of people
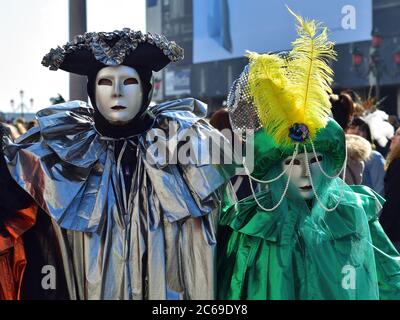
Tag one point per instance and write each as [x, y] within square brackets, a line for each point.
[18, 126]
[371, 162]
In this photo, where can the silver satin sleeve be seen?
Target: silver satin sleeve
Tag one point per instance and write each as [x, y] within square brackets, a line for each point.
[154, 241]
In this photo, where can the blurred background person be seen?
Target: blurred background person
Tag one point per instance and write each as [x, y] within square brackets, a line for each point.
[358, 148]
[19, 123]
[390, 216]
[342, 109]
[394, 121]
[358, 154]
[31, 124]
[220, 120]
[11, 129]
[374, 171]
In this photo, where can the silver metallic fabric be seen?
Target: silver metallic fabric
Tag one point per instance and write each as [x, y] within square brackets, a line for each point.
[154, 241]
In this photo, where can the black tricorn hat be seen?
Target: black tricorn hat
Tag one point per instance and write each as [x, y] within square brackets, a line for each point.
[94, 50]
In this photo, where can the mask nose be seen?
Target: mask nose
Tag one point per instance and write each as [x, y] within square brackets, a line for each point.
[304, 169]
[117, 90]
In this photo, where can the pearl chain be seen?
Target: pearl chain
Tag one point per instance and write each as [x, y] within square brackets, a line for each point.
[280, 175]
[286, 186]
[323, 171]
[295, 152]
[315, 192]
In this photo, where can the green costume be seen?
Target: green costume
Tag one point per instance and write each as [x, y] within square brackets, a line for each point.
[276, 244]
[299, 251]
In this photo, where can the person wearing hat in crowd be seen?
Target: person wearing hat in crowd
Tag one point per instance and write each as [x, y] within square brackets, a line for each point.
[130, 222]
[309, 235]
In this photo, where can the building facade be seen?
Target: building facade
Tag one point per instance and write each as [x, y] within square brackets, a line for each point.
[210, 81]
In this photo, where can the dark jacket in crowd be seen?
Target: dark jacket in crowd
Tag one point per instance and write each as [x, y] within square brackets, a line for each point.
[390, 217]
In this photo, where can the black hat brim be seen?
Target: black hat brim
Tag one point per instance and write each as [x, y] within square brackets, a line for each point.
[145, 56]
[92, 51]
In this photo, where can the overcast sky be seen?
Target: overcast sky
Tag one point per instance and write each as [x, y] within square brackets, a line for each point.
[30, 28]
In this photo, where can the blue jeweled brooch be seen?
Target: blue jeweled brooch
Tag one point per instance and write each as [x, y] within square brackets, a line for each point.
[298, 132]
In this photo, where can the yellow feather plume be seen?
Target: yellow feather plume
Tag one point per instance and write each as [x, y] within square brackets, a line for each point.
[295, 89]
[268, 85]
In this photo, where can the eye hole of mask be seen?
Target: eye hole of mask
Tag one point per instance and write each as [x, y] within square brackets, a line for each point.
[315, 159]
[105, 82]
[296, 162]
[130, 81]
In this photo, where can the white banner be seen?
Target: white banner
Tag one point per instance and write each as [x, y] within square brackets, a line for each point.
[225, 29]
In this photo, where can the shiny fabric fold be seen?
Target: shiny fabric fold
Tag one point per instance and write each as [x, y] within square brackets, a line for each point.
[287, 255]
[12, 252]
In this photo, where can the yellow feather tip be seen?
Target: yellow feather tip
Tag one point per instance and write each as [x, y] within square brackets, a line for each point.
[294, 89]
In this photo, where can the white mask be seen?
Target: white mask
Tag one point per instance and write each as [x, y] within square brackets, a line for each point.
[300, 179]
[119, 93]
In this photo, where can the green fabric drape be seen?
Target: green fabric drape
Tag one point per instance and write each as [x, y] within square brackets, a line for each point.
[300, 251]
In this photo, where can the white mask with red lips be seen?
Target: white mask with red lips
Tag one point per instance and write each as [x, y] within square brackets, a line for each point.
[118, 93]
[300, 177]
